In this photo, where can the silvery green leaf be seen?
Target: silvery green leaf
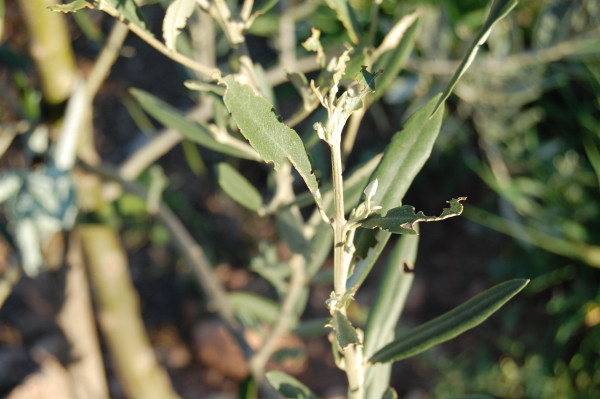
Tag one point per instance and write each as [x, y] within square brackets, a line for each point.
[238, 187]
[176, 17]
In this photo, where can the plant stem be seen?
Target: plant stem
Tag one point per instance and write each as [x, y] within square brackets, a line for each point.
[340, 274]
[208, 72]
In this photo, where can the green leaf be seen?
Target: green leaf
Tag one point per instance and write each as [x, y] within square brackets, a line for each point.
[392, 61]
[405, 156]
[129, 10]
[397, 278]
[176, 17]
[344, 332]
[402, 220]
[498, 10]
[72, 6]
[174, 119]
[390, 393]
[273, 140]
[253, 309]
[288, 386]
[346, 16]
[449, 325]
[237, 187]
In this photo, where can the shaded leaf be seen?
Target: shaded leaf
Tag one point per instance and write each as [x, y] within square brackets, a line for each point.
[344, 332]
[288, 386]
[129, 10]
[72, 6]
[449, 325]
[237, 187]
[346, 16]
[253, 309]
[176, 17]
[174, 119]
[402, 220]
[498, 10]
[390, 393]
[273, 140]
[406, 154]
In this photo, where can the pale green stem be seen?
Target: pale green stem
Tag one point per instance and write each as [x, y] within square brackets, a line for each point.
[207, 72]
[340, 274]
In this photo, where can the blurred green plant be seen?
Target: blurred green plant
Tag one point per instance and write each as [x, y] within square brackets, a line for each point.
[352, 215]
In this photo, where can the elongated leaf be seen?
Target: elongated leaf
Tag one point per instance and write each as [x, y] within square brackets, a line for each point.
[288, 386]
[392, 61]
[345, 14]
[402, 220]
[390, 393]
[237, 187]
[176, 17]
[253, 309]
[393, 290]
[405, 156]
[498, 10]
[174, 119]
[72, 6]
[449, 325]
[344, 332]
[130, 11]
[273, 140]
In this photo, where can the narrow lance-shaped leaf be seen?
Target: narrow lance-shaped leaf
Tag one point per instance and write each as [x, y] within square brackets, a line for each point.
[175, 20]
[237, 187]
[174, 119]
[72, 6]
[498, 10]
[288, 386]
[402, 220]
[345, 14]
[449, 325]
[273, 140]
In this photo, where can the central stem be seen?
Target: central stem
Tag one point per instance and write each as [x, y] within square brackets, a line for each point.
[340, 272]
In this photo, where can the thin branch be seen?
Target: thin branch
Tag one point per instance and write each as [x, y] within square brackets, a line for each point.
[208, 72]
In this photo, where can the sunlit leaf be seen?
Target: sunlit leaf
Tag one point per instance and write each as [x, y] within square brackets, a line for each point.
[237, 187]
[344, 12]
[460, 319]
[176, 17]
[401, 220]
[288, 386]
[273, 140]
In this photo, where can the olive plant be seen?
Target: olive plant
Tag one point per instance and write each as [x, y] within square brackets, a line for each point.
[352, 214]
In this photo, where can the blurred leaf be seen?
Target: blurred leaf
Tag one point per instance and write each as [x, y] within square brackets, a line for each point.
[273, 140]
[449, 325]
[130, 11]
[237, 187]
[72, 6]
[269, 267]
[265, 6]
[345, 14]
[248, 389]
[288, 386]
[253, 309]
[402, 220]
[344, 332]
[498, 10]
[193, 157]
[395, 284]
[176, 17]
[390, 393]
[392, 60]
[290, 228]
[2, 13]
[174, 119]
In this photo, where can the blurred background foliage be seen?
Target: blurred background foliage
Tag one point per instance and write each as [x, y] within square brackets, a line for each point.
[522, 135]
